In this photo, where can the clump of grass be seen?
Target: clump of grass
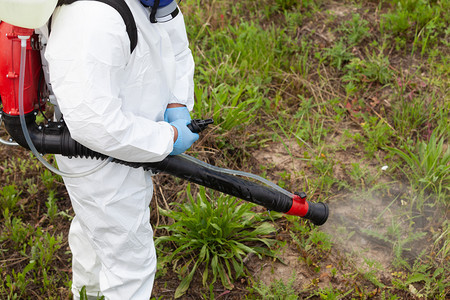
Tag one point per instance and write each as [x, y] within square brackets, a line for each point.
[231, 107]
[276, 290]
[428, 165]
[338, 55]
[310, 239]
[9, 196]
[374, 68]
[418, 20]
[214, 235]
[355, 30]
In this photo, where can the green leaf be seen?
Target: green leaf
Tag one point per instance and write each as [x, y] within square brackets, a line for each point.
[203, 253]
[224, 278]
[416, 277]
[214, 265]
[238, 267]
[244, 248]
[263, 229]
[205, 275]
[184, 285]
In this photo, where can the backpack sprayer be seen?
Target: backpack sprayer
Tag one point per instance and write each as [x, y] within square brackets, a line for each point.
[24, 93]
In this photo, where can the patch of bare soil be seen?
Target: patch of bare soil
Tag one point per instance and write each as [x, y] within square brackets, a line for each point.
[280, 157]
[365, 227]
[289, 266]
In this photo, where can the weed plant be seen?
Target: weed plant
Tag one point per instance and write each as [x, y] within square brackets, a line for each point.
[338, 55]
[355, 30]
[310, 240]
[276, 291]
[428, 167]
[214, 235]
[375, 68]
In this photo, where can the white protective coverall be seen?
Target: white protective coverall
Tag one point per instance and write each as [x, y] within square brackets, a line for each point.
[113, 102]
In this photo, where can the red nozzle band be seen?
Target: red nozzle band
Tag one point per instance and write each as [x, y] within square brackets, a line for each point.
[299, 206]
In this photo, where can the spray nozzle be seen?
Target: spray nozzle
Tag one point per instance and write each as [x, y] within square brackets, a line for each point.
[317, 213]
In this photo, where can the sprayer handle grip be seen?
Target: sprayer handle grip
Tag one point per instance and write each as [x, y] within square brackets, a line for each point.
[198, 125]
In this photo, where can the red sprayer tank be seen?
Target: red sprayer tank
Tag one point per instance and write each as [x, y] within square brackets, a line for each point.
[10, 68]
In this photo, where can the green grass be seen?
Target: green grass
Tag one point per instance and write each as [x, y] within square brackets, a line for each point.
[428, 167]
[277, 290]
[335, 98]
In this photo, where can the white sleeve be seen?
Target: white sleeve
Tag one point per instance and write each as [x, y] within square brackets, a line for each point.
[184, 88]
[87, 52]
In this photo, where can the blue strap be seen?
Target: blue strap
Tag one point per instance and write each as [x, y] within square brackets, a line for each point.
[162, 3]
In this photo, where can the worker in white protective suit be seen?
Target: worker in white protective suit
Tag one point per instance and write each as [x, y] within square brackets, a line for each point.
[130, 106]
[114, 102]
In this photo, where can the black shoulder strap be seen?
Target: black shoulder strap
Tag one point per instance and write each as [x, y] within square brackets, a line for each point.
[126, 14]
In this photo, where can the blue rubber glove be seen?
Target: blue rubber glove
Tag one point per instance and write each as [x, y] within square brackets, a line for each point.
[185, 136]
[175, 113]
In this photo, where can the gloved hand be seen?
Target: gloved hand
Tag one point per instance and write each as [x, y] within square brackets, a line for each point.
[185, 136]
[175, 113]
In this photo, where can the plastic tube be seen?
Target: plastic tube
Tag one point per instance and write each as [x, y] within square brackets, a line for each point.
[237, 173]
[23, 44]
